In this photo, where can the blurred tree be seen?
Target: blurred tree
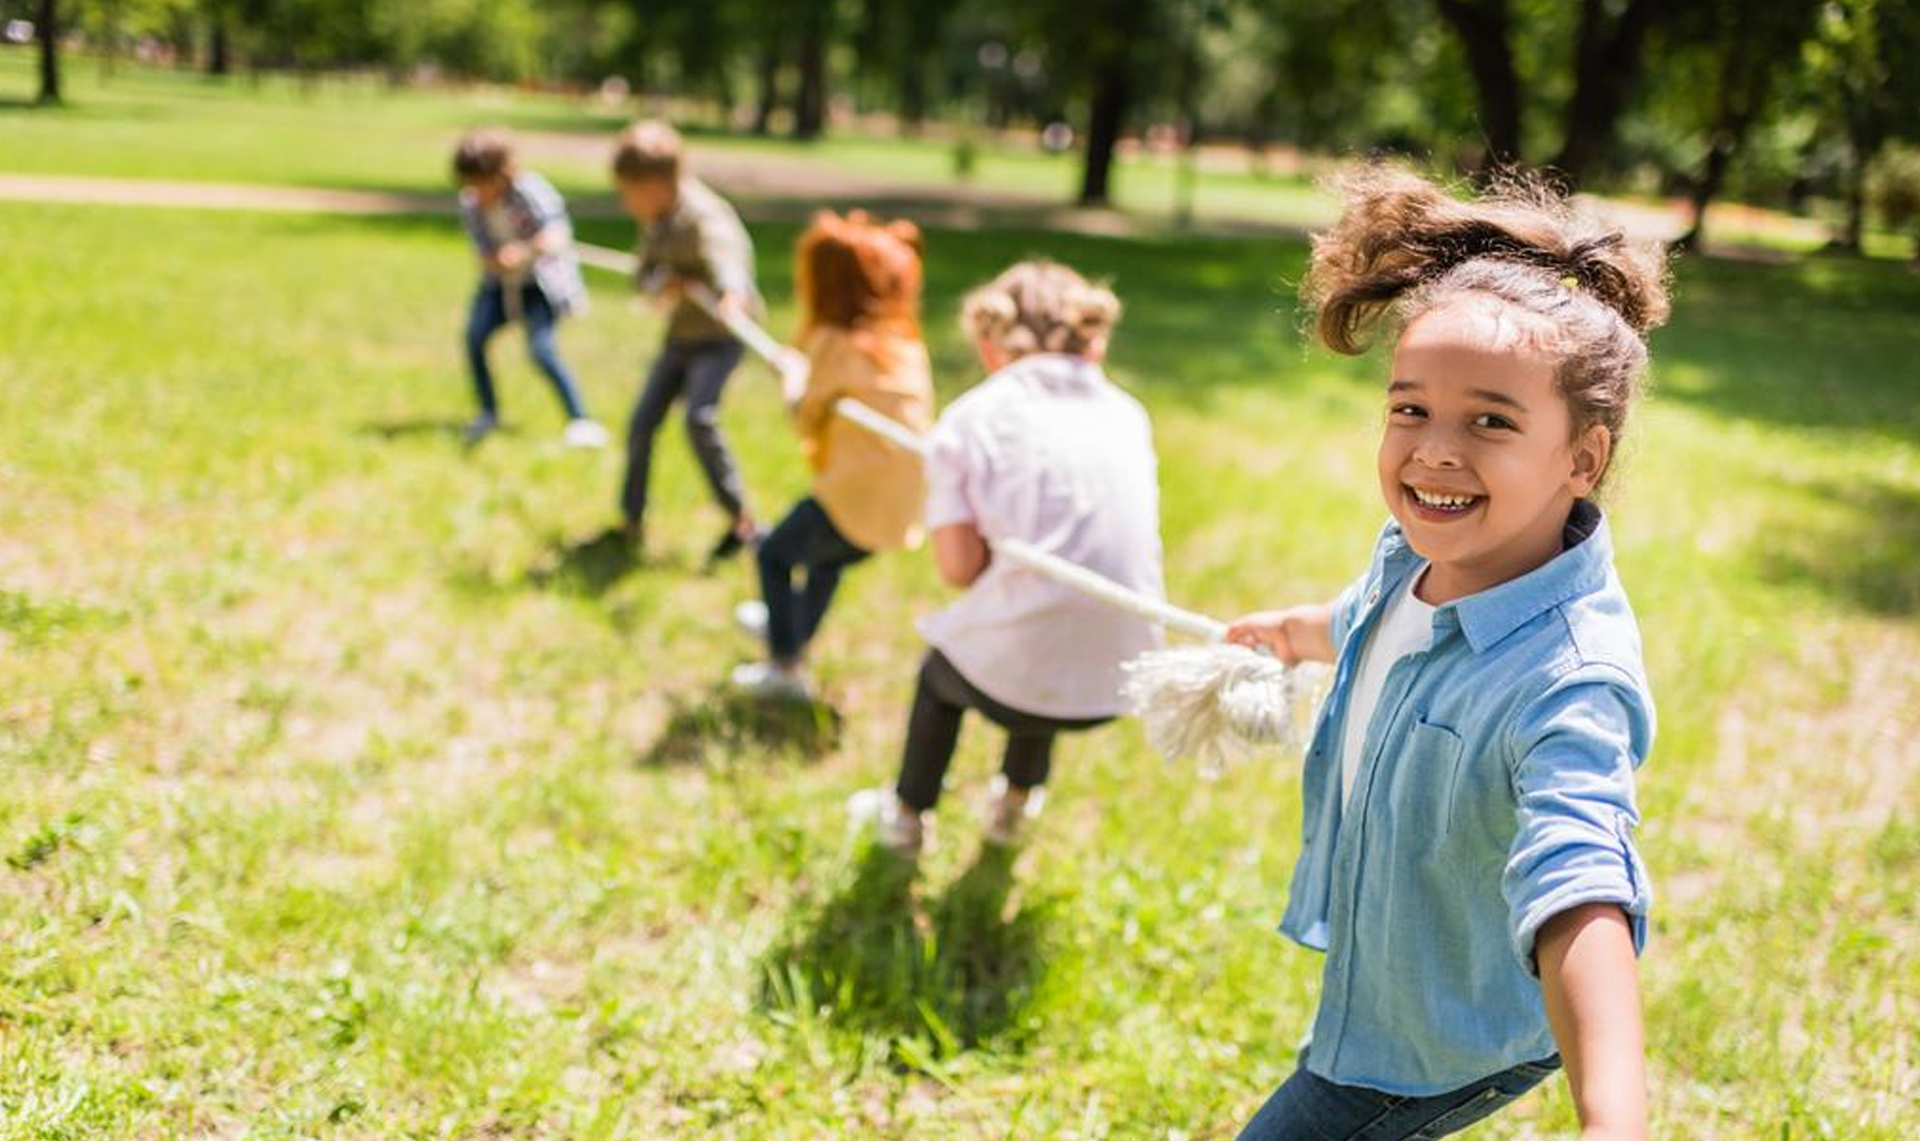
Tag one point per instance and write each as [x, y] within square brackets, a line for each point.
[1608, 57]
[1607, 61]
[1725, 66]
[1485, 36]
[47, 27]
[1866, 69]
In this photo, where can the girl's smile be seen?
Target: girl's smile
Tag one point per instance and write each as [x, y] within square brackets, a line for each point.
[1440, 505]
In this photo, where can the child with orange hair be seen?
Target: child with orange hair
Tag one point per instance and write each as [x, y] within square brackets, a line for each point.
[859, 283]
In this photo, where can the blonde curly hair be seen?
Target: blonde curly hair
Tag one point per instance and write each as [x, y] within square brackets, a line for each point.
[1040, 306]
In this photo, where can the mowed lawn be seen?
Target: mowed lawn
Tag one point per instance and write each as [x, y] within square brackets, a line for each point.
[346, 790]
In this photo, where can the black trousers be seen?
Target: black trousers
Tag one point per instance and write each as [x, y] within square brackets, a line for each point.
[805, 540]
[698, 370]
[933, 729]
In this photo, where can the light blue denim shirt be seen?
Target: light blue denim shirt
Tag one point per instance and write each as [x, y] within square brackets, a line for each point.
[1495, 790]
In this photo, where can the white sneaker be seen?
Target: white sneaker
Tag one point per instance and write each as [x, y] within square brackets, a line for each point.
[584, 433]
[895, 827]
[773, 680]
[751, 617]
[1008, 810]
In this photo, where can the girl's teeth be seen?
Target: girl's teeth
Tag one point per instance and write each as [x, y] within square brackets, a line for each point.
[1450, 501]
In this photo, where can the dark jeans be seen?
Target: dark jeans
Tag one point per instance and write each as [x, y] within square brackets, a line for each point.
[699, 370]
[934, 728]
[484, 319]
[805, 539]
[1307, 1107]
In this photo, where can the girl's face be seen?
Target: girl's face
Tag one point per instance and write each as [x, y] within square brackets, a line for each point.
[1477, 463]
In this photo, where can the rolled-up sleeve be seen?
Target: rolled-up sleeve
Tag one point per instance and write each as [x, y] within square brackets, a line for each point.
[1575, 750]
[950, 464]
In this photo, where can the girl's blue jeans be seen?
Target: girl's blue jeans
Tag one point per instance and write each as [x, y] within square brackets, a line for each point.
[1307, 1107]
[488, 314]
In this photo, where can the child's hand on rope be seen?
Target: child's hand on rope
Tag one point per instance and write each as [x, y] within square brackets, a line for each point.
[1294, 635]
[793, 367]
[512, 256]
[665, 292]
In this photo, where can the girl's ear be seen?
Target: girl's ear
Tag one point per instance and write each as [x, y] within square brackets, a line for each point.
[1592, 451]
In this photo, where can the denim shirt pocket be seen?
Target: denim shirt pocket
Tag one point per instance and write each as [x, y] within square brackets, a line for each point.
[1435, 751]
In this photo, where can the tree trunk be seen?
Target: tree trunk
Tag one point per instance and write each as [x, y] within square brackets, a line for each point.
[1850, 240]
[219, 52]
[1482, 29]
[49, 28]
[810, 104]
[913, 96]
[769, 97]
[1726, 144]
[1112, 92]
[1606, 65]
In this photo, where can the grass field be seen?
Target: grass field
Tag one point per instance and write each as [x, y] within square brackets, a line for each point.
[346, 791]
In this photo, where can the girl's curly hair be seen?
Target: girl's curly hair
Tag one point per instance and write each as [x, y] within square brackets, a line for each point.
[1040, 306]
[1403, 247]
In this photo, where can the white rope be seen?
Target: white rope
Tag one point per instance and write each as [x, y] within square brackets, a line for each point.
[600, 257]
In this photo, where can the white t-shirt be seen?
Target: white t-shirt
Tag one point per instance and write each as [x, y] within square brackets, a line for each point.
[1404, 627]
[1047, 450]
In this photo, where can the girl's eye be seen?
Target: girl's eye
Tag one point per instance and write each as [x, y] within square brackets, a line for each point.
[1493, 420]
[1411, 410]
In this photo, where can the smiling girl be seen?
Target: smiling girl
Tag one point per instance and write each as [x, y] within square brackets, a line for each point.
[1467, 862]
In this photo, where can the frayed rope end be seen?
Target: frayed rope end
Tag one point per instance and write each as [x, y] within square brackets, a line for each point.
[1214, 703]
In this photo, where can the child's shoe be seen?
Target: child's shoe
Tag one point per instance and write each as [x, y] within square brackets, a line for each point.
[732, 543]
[895, 827]
[751, 617]
[585, 433]
[773, 681]
[479, 428]
[1008, 810]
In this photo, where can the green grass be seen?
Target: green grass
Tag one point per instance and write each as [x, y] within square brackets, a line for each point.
[347, 790]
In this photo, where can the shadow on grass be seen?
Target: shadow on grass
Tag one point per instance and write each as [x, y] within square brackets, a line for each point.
[590, 566]
[730, 720]
[1867, 556]
[936, 979]
[1821, 343]
[416, 427]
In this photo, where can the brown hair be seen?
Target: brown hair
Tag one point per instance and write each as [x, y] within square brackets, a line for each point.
[1040, 307]
[1403, 247]
[647, 149]
[483, 153]
[854, 272]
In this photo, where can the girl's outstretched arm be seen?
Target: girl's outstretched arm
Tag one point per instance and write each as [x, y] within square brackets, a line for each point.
[1592, 987]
